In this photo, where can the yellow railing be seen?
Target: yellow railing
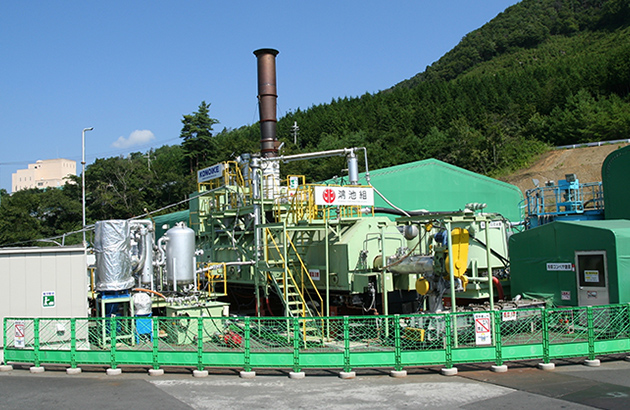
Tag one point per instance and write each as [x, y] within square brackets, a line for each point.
[213, 278]
[304, 270]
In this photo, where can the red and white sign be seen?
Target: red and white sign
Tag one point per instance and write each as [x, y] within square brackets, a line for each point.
[508, 316]
[314, 273]
[18, 341]
[340, 196]
[483, 333]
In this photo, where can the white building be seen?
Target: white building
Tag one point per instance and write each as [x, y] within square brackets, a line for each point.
[48, 173]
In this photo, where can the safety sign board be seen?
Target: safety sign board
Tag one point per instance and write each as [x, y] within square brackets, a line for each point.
[353, 196]
[18, 341]
[314, 273]
[508, 316]
[483, 333]
[48, 299]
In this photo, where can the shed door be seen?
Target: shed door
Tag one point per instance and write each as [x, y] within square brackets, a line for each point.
[592, 278]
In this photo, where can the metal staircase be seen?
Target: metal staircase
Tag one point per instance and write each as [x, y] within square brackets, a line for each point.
[288, 274]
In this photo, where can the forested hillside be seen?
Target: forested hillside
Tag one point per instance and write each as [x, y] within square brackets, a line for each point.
[542, 73]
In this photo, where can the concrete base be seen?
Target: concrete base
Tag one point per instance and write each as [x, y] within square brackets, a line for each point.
[73, 370]
[592, 363]
[156, 372]
[247, 375]
[297, 375]
[449, 372]
[6, 368]
[200, 373]
[347, 375]
[398, 373]
[114, 372]
[35, 369]
[499, 369]
[546, 366]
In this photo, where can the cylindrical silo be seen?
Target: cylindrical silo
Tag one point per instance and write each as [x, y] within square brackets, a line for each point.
[180, 255]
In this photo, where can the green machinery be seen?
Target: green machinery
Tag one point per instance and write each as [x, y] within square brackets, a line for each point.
[320, 248]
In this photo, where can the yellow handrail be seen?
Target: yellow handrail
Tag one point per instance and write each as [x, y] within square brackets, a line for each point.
[288, 271]
[321, 300]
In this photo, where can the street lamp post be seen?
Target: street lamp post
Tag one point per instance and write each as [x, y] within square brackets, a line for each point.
[83, 178]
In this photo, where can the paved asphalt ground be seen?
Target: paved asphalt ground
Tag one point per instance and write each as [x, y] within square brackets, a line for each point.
[570, 386]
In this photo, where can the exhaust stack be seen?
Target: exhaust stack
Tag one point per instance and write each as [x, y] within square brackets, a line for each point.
[267, 97]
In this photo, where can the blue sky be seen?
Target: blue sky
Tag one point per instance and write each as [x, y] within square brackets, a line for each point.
[131, 69]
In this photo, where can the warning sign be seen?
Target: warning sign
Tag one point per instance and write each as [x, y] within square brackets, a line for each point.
[18, 341]
[483, 333]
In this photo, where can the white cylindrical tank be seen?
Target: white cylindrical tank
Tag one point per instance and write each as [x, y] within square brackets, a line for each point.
[180, 254]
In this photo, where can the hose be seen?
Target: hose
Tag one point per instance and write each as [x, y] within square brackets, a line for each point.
[149, 291]
[499, 287]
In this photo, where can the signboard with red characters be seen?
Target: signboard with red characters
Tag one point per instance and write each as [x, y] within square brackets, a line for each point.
[339, 196]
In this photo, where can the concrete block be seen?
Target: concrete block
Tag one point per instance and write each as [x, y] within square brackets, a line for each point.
[73, 370]
[37, 369]
[200, 373]
[546, 366]
[592, 363]
[6, 368]
[297, 375]
[347, 375]
[114, 372]
[449, 372]
[156, 372]
[247, 375]
[499, 369]
[398, 373]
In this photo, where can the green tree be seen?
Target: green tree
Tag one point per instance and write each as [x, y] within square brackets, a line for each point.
[198, 144]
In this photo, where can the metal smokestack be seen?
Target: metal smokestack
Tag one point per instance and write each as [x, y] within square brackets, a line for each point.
[267, 96]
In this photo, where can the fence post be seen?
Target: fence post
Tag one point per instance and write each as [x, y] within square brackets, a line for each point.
[545, 334]
[113, 330]
[448, 340]
[247, 359]
[591, 333]
[73, 343]
[497, 317]
[346, 345]
[397, 348]
[155, 322]
[200, 343]
[296, 345]
[37, 361]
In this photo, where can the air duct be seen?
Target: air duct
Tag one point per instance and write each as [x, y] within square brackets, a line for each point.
[267, 97]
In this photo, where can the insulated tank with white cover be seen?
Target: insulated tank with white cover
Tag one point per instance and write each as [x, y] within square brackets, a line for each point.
[180, 254]
[113, 260]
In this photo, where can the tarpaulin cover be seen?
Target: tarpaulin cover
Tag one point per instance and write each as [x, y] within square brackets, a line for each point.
[142, 304]
[112, 247]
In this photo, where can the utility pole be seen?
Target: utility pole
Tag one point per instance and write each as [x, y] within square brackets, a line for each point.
[295, 129]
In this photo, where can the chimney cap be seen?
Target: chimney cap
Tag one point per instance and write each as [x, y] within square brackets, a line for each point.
[262, 51]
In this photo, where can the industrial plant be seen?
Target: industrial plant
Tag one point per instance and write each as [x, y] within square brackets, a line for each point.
[418, 264]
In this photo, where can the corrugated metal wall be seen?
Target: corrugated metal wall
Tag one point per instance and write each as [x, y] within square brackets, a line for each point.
[33, 277]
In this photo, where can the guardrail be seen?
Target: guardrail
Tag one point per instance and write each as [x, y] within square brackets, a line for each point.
[345, 343]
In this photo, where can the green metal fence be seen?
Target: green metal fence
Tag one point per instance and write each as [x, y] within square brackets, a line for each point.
[345, 343]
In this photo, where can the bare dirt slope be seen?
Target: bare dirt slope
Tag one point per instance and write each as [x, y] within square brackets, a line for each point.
[584, 162]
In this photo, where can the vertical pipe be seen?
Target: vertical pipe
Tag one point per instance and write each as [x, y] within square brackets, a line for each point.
[488, 261]
[267, 97]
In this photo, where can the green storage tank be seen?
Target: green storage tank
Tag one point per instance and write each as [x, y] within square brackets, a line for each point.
[437, 186]
[578, 263]
[615, 171]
